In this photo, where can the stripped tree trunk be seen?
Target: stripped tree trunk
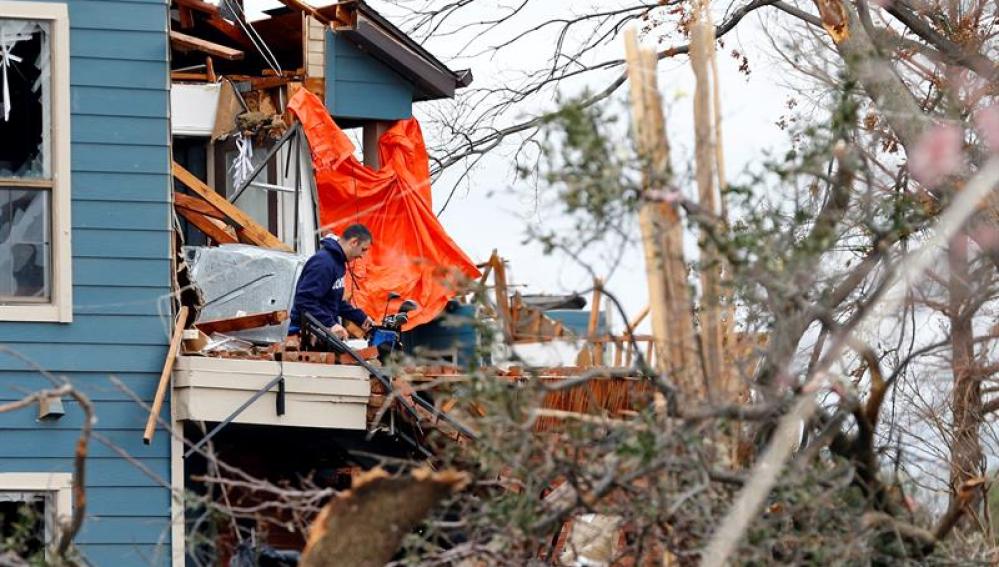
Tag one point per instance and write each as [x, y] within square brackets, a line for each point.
[966, 458]
[662, 233]
[712, 317]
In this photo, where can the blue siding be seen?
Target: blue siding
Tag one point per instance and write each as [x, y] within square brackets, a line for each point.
[121, 242]
[360, 87]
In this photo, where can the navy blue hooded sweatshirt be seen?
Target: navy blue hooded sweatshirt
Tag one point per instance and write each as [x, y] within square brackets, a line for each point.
[320, 289]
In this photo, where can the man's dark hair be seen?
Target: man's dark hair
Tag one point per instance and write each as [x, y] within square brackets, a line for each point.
[358, 231]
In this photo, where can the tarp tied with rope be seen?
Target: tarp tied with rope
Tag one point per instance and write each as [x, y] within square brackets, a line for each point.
[411, 254]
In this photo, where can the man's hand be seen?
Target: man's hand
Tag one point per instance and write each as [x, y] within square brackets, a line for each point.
[368, 323]
[339, 332]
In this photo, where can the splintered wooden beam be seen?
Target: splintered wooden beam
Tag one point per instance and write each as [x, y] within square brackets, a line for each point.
[306, 9]
[207, 226]
[189, 42]
[175, 340]
[662, 232]
[253, 232]
[251, 321]
[183, 201]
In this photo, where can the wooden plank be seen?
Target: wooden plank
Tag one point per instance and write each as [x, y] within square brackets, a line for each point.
[251, 321]
[205, 225]
[306, 9]
[662, 232]
[199, 206]
[185, 76]
[502, 297]
[154, 412]
[639, 318]
[593, 325]
[256, 233]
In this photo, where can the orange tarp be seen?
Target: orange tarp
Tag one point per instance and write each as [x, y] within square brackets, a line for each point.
[411, 254]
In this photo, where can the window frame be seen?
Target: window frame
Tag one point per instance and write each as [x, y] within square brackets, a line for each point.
[58, 486]
[59, 307]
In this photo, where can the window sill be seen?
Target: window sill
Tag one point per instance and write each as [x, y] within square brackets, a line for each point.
[48, 313]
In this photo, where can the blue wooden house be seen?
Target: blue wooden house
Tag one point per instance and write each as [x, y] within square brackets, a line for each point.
[87, 141]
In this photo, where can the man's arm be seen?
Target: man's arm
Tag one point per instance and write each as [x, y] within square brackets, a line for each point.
[354, 314]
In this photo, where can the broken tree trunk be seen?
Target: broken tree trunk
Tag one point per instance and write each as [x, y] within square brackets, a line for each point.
[717, 314]
[967, 462]
[662, 233]
[364, 526]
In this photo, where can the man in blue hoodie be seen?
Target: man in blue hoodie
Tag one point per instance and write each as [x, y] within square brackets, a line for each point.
[320, 287]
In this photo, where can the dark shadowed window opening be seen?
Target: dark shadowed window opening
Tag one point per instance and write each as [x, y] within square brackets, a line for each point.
[22, 523]
[24, 112]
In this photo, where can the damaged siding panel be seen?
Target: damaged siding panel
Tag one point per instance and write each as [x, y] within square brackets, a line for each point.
[114, 415]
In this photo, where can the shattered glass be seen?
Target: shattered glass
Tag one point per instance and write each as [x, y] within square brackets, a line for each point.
[25, 244]
[25, 99]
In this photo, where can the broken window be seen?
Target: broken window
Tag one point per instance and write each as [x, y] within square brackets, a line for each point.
[23, 518]
[26, 180]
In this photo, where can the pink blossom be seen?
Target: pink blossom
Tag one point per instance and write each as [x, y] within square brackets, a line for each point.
[987, 122]
[937, 154]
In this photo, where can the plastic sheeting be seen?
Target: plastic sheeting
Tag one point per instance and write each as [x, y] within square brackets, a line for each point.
[411, 254]
[237, 279]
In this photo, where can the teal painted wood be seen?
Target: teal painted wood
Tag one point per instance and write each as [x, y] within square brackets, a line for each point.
[110, 415]
[577, 321]
[124, 73]
[117, 186]
[125, 272]
[118, 44]
[98, 386]
[121, 130]
[120, 300]
[110, 472]
[121, 187]
[127, 555]
[122, 215]
[108, 101]
[118, 158]
[149, 244]
[91, 329]
[360, 87]
[55, 443]
[85, 357]
[125, 530]
[115, 16]
[127, 501]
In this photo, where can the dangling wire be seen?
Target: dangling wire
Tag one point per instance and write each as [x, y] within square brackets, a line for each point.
[258, 42]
